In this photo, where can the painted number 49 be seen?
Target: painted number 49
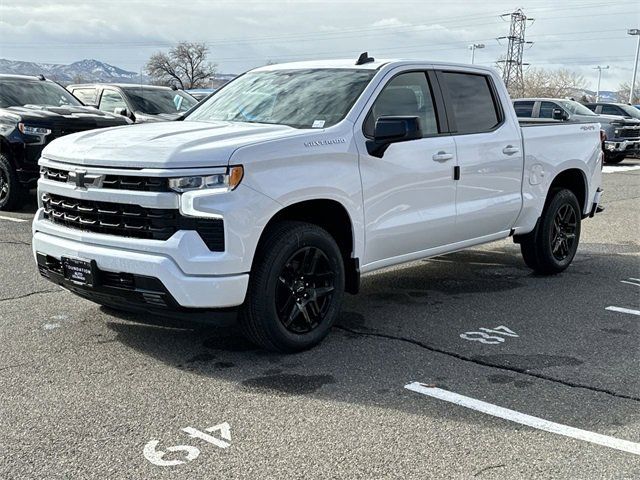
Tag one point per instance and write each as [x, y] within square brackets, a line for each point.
[156, 456]
[489, 335]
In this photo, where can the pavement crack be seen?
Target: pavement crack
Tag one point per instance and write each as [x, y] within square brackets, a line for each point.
[477, 361]
[38, 292]
[15, 242]
[16, 365]
[490, 467]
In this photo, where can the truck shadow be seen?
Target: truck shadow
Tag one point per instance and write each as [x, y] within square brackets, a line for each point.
[400, 329]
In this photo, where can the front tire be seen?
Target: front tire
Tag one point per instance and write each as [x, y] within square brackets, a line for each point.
[11, 191]
[614, 158]
[551, 247]
[295, 289]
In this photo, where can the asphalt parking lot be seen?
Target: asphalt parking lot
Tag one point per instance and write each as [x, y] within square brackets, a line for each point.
[88, 393]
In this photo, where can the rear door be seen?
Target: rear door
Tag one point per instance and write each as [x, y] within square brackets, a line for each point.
[489, 152]
[409, 193]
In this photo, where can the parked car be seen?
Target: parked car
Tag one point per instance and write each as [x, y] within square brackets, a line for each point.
[140, 103]
[617, 109]
[34, 111]
[622, 135]
[270, 199]
[200, 93]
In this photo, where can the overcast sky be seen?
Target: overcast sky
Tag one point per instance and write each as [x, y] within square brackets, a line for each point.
[576, 34]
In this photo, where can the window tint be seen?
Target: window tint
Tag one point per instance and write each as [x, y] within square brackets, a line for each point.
[85, 95]
[611, 110]
[407, 94]
[546, 109]
[524, 109]
[111, 100]
[473, 103]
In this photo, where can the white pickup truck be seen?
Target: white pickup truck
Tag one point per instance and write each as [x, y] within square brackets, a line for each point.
[267, 202]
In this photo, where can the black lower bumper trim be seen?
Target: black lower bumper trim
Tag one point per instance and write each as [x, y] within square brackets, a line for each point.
[133, 293]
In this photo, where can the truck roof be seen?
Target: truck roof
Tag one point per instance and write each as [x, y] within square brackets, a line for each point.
[350, 63]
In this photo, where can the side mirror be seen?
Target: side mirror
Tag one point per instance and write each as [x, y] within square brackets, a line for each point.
[121, 111]
[559, 114]
[390, 130]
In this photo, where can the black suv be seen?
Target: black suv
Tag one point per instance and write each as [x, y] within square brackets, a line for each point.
[34, 111]
[140, 103]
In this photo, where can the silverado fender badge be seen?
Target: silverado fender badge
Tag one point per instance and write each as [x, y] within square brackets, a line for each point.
[319, 143]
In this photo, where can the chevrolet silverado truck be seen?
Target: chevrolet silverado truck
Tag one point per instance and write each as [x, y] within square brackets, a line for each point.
[34, 111]
[269, 200]
[621, 135]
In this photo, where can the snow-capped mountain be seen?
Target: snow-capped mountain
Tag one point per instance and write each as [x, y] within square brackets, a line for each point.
[76, 72]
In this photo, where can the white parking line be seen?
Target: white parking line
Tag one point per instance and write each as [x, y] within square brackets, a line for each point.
[623, 310]
[630, 283]
[524, 419]
[11, 219]
[618, 169]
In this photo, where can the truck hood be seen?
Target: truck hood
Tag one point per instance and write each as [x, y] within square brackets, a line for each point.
[78, 118]
[164, 144]
[618, 119]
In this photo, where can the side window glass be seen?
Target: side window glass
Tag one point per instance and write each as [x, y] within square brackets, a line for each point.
[524, 109]
[474, 106]
[546, 109]
[111, 100]
[85, 95]
[408, 94]
[611, 110]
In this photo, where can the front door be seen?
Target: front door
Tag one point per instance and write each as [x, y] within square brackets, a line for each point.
[409, 193]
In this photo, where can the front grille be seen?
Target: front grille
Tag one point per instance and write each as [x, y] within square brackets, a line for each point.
[629, 133]
[117, 182]
[129, 220]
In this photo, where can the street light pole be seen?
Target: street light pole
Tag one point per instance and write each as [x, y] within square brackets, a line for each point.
[636, 32]
[599, 68]
[473, 47]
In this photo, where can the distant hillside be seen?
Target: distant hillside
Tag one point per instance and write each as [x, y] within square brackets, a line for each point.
[76, 72]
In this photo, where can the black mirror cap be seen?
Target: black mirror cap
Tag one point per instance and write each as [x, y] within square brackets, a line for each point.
[390, 130]
[559, 114]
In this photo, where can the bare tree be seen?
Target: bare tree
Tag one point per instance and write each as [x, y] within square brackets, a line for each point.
[185, 66]
[625, 89]
[560, 83]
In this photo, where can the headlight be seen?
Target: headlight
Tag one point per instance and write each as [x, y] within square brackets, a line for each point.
[30, 130]
[217, 183]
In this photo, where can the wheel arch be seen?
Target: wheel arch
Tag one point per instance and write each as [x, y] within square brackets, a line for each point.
[332, 216]
[575, 180]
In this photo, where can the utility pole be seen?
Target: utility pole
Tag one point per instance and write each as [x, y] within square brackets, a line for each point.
[473, 48]
[599, 68]
[636, 32]
[512, 72]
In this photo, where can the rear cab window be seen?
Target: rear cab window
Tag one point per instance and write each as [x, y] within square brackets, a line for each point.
[524, 109]
[472, 105]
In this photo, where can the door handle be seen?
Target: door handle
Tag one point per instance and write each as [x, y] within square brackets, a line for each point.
[442, 156]
[510, 150]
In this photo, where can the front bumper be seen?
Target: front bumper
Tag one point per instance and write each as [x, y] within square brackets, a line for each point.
[630, 146]
[186, 290]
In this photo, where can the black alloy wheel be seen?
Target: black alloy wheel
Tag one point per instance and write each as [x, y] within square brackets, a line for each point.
[563, 233]
[305, 290]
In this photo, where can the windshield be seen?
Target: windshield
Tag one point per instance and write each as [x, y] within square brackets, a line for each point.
[630, 111]
[16, 93]
[576, 108]
[298, 98]
[155, 101]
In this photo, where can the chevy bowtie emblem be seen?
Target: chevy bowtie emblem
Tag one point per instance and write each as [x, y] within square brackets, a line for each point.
[83, 180]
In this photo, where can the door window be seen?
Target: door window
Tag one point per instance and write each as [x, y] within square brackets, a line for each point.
[474, 105]
[85, 95]
[547, 108]
[612, 110]
[111, 100]
[408, 94]
[524, 109]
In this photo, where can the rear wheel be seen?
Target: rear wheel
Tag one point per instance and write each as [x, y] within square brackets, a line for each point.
[296, 288]
[11, 191]
[551, 247]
